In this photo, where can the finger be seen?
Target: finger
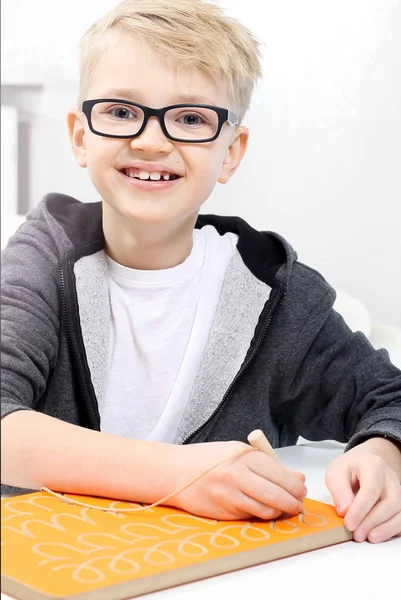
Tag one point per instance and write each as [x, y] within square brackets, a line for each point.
[240, 506]
[386, 530]
[272, 471]
[298, 474]
[247, 505]
[387, 508]
[340, 486]
[371, 488]
[269, 494]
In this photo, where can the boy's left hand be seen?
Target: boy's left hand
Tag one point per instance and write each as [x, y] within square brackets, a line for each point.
[367, 493]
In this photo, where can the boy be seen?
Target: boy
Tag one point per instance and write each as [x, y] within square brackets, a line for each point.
[142, 343]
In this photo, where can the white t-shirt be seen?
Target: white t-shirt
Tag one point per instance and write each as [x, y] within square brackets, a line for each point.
[160, 323]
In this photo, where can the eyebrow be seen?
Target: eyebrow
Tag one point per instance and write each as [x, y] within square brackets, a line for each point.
[132, 94]
[194, 99]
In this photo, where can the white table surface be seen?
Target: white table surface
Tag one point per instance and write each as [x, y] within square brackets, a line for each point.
[345, 571]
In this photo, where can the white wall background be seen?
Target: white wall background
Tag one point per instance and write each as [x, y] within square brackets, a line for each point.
[324, 162]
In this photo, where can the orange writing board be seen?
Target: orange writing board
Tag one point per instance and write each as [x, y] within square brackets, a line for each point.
[51, 549]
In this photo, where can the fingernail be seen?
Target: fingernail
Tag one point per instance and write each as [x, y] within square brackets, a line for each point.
[375, 537]
[350, 524]
[360, 536]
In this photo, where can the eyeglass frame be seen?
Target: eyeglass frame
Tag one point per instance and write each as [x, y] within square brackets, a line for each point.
[224, 116]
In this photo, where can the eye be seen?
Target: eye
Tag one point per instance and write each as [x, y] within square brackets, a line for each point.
[122, 113]
[192, 119]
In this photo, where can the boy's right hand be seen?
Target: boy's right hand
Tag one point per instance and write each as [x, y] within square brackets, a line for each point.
[251, 485]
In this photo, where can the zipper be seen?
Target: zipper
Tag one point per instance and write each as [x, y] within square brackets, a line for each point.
[78, 357]
[270, 309]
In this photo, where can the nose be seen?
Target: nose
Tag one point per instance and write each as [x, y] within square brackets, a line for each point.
[152, 139]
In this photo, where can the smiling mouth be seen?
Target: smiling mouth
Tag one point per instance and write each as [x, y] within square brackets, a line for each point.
[146, 176]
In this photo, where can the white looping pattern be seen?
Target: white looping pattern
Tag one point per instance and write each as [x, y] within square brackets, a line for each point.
[284, 526]
[160, 553]
[314, 521]
[93, 555]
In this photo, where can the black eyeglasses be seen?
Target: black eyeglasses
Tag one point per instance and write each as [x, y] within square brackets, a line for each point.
[191, 123]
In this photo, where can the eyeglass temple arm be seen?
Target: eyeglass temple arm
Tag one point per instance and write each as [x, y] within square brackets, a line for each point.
[232, 119]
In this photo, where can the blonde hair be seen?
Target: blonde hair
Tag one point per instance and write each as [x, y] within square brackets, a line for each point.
[189, 33]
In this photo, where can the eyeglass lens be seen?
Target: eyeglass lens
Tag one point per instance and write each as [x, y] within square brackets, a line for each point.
[183, 123]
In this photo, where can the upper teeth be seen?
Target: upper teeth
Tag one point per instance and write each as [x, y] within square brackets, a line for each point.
[154, 176]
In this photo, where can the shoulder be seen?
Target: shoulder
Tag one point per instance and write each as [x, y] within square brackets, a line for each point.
[306, 306]
[309, 297]
[58, 225]
[32, 246]
[307, 280]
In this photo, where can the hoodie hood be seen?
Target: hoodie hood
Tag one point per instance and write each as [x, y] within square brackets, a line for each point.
[267, 255]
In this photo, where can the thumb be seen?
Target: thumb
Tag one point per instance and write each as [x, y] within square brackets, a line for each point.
[339, 485]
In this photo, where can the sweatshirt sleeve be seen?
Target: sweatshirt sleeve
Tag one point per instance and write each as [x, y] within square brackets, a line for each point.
[30, 309]
[339, 387]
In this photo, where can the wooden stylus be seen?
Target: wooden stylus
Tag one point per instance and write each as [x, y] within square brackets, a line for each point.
[258, 440]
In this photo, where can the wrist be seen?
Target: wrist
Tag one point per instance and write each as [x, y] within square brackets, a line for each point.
[152, 468]
[389, 450]
[168, 476]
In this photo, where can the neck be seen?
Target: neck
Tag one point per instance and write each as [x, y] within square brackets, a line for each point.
[148, 247]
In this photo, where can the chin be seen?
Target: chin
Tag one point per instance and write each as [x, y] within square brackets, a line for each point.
[150, 215]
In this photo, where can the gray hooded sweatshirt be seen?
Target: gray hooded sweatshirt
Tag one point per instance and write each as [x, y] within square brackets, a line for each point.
[278, 356]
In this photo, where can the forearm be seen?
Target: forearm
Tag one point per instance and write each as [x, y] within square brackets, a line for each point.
[38, 450]
[389, 451]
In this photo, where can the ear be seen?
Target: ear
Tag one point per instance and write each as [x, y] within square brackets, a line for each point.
[235, 153]
[76, 132]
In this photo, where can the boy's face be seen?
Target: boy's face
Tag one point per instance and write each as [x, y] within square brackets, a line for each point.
[131, 71]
